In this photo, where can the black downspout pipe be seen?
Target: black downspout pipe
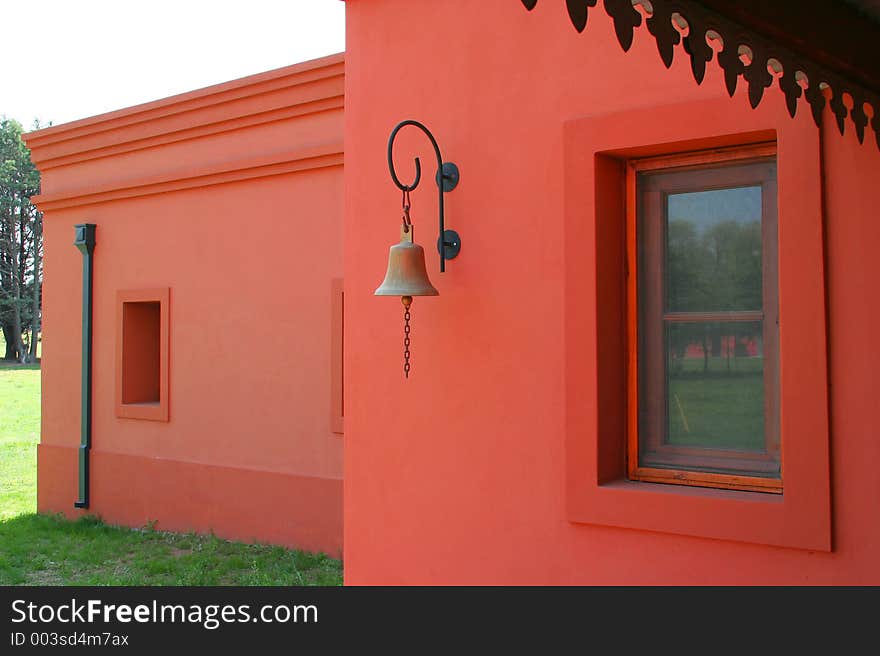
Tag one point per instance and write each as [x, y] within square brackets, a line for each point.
[84, 240]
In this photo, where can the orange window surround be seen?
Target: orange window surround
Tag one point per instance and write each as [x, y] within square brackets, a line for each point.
[598, 489]
[142, 354]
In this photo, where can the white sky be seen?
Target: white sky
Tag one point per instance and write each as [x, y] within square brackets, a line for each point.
[68, 59]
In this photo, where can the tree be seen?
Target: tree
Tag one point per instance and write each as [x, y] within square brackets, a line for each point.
[20, 245]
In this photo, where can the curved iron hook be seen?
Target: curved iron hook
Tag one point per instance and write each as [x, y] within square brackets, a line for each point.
[415, 182]
[441, 177]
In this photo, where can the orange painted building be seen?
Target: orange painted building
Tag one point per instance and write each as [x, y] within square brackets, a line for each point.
[210, 208]
[503, 458]
[543, 435]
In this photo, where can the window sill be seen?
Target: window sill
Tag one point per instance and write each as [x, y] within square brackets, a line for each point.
[151, 411]
[641, 487]
[736, 515]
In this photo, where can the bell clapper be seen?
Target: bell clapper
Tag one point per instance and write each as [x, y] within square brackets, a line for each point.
[407, 301]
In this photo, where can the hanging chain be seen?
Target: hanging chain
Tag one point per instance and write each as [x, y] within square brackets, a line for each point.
[406, 343]
[407, 203]
[407, 301]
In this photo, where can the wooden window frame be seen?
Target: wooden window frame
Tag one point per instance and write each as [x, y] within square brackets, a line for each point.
[157, 411]
[596, 490]
[710, 168]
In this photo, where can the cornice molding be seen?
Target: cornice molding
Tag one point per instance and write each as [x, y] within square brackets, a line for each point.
[194, 114]
[323, 156]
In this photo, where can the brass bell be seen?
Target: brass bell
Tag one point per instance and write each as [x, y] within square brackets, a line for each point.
[406, 275]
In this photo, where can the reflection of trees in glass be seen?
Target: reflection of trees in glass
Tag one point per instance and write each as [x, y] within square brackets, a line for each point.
[717, 269]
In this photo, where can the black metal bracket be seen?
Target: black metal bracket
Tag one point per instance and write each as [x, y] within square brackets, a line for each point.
[84, 240]
[448, 241]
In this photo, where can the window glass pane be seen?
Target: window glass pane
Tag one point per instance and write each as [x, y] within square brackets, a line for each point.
[715, 402]
[713, 250]
[715, 382]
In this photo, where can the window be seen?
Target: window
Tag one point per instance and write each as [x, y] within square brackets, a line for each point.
[140, 352]
[703, 315]
[142, 355]
[601, 330]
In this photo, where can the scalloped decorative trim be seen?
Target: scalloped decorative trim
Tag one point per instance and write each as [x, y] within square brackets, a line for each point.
[740, 52]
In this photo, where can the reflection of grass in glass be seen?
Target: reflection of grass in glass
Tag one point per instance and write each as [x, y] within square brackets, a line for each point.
[720, 409]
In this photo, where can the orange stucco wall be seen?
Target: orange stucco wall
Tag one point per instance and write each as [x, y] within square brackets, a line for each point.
[458, 475]
[231, 197]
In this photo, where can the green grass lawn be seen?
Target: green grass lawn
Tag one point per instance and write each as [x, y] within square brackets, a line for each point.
[19, 434]
[49, 550]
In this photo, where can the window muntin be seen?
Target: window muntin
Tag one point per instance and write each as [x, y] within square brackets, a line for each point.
[707, 328]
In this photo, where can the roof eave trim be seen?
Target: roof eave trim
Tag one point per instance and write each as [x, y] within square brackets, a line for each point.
[740, 52]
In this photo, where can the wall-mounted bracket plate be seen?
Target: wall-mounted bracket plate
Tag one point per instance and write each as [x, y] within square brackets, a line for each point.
[450, 244]
[450, 176]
